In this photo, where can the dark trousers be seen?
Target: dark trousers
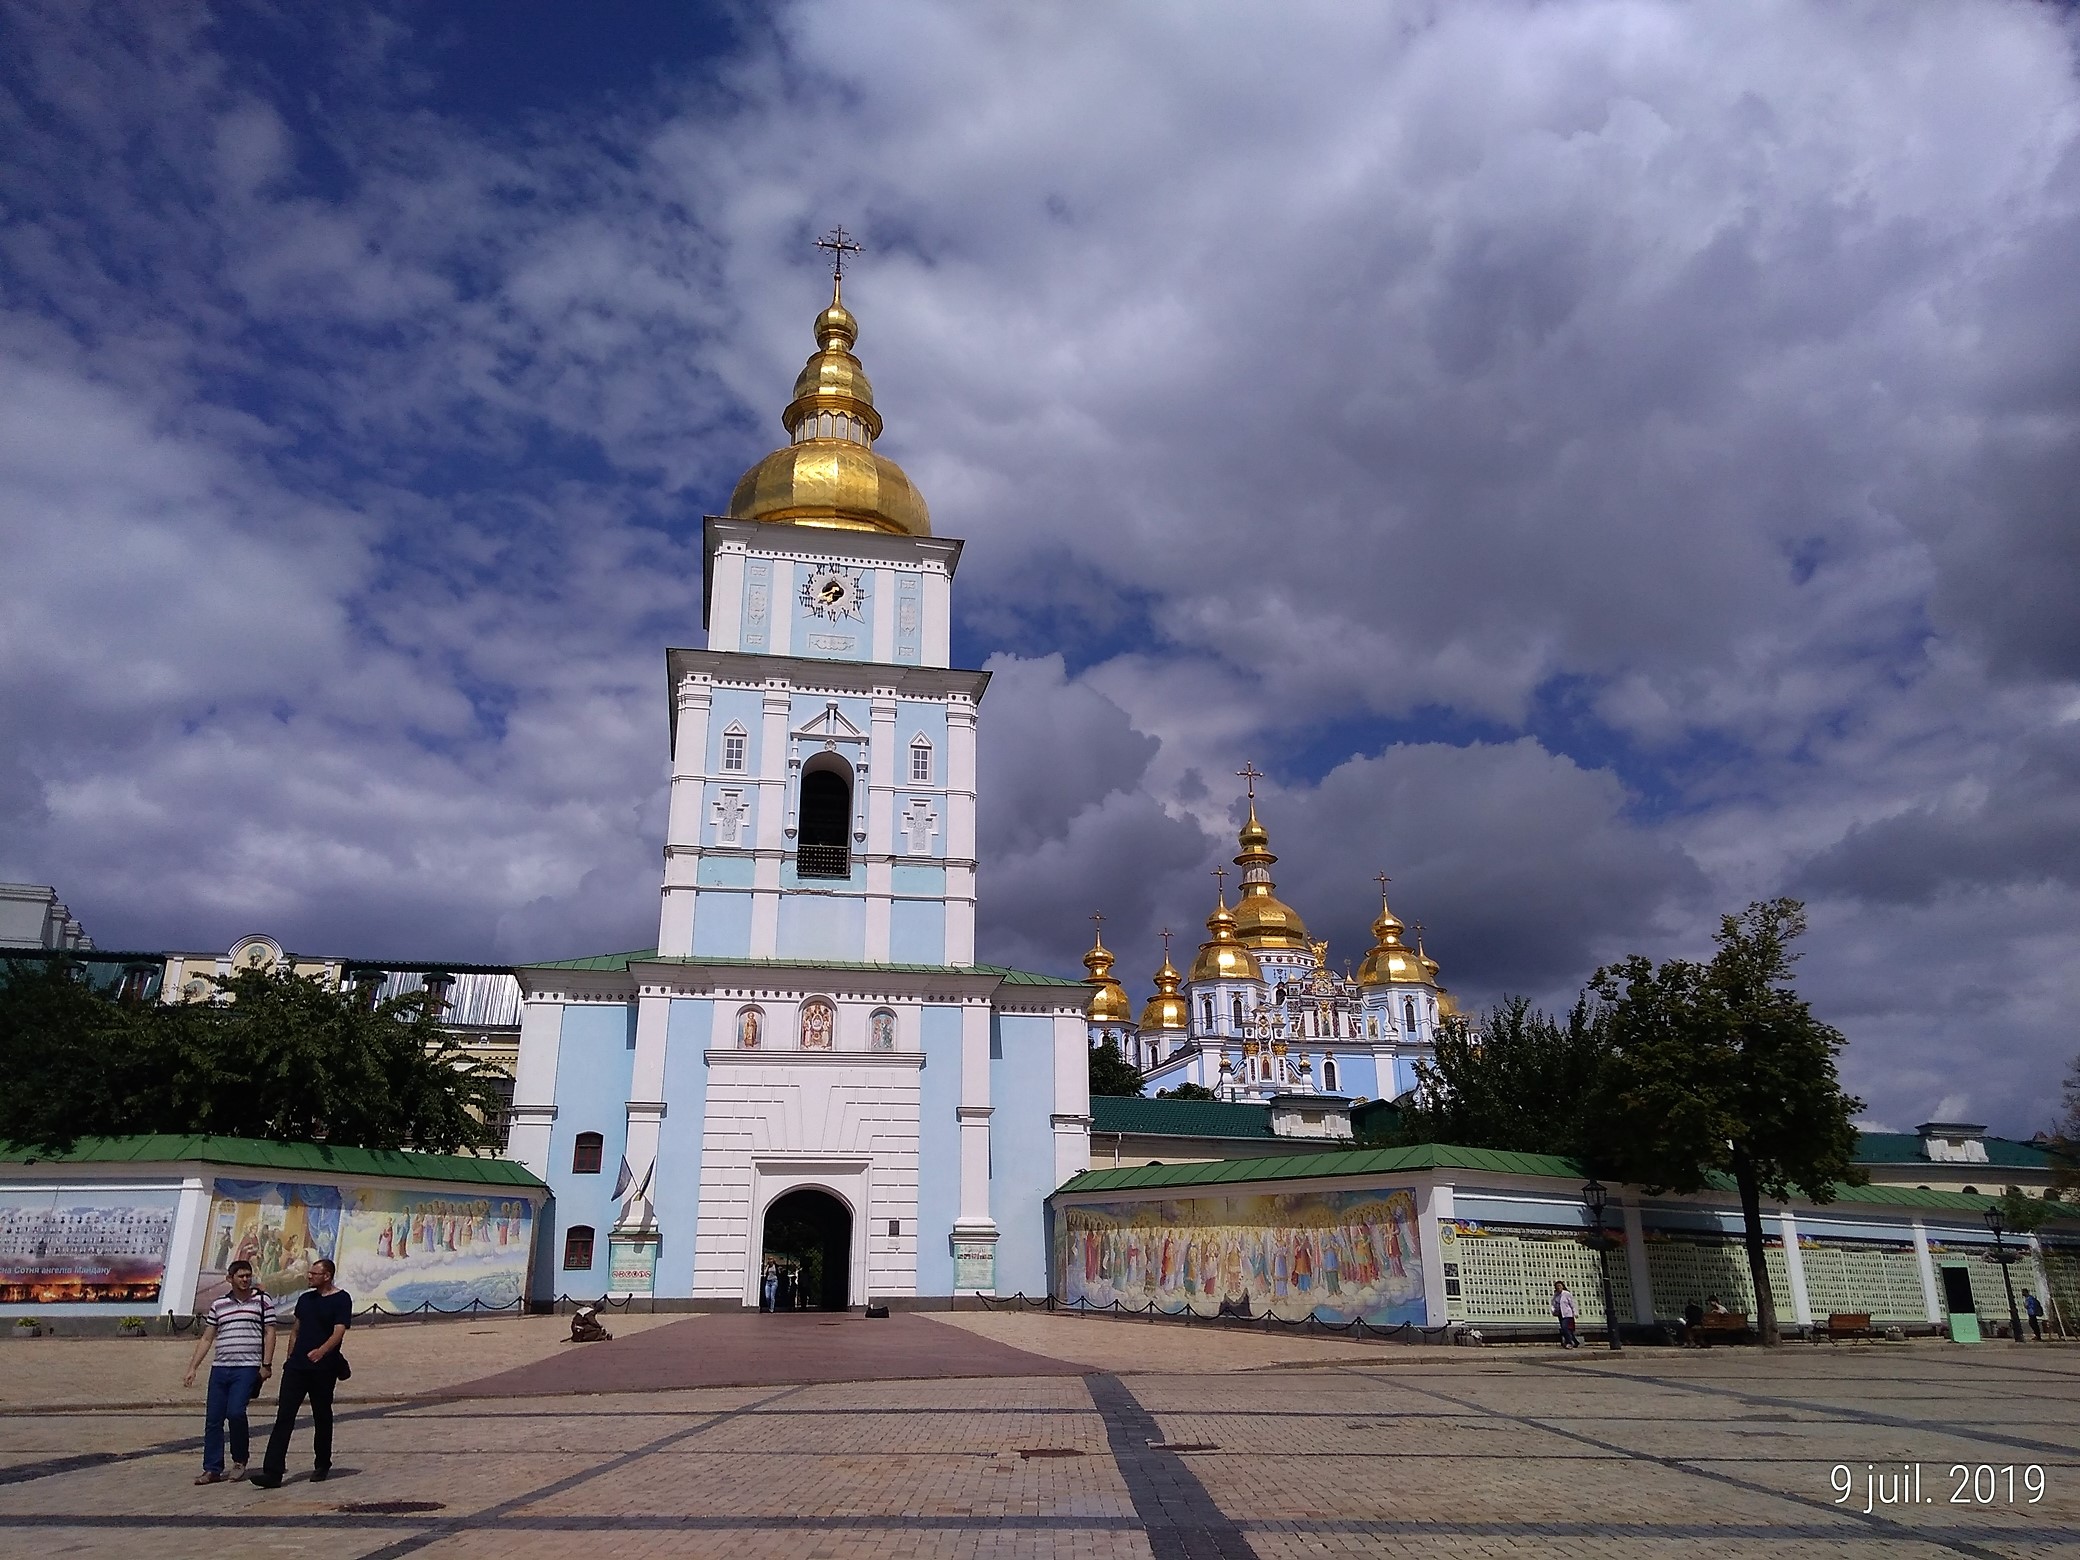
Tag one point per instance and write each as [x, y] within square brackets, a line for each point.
[231, 1387]
[1567, 1338]
[2036, 1325]
[297, 1384]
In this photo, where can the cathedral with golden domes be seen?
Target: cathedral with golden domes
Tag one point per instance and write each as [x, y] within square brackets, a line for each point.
[1261, 1013]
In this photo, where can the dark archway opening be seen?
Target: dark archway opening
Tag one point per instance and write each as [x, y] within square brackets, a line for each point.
[824, 846]
[808, 1244]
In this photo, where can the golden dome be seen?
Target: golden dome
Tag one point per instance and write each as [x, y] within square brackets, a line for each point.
[1109, 1002]
[1223, 957]
[830, 475]
[1391, 961]
[1262, 919]
[1166, 1010]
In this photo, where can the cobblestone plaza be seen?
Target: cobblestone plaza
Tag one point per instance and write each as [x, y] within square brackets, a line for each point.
[1016, 1435]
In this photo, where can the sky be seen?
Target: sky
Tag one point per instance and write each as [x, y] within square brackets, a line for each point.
[1604, 463]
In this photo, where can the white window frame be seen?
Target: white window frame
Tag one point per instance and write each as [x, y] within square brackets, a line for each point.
[920, 760]
[734, 733]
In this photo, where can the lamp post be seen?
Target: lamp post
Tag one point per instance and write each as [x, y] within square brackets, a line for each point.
[1595, 1196]
[1995, 1223]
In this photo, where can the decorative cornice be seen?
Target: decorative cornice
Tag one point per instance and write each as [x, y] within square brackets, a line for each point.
[763, 1057]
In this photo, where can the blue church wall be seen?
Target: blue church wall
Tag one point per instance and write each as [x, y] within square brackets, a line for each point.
[822, 927]
[855, 879]
[1021, 1170]
[915, 718]
[725, 871]
[938, 1147]
[676, 1188]
[917, 931]
[722, 925]
[741, 707]
[929, 881]
[595, 1064]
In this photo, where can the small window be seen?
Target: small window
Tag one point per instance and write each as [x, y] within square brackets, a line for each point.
[577, 1248]
[1971, 1191]
[1238, 1013]
[733, 750]
[920, 762]
[1408, 1013]
[1329, 1075]
[585, 1157]
[1206, 1010]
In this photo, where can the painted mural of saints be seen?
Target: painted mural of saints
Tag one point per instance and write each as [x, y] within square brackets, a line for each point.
[819, 1023]
[750, 1028]
[881, 1031]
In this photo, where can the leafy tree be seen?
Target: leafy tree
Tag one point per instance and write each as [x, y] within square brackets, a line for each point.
[2065, 1138]
[1721, 1067]
[1112, 1073]
[1187, 1091]
[285, 1056]
[1525, 1083]
[2021, 1212]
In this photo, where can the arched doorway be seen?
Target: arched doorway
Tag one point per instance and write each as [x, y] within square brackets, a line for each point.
[808, 1234]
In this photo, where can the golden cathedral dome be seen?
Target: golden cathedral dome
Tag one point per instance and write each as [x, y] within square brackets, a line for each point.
[829, 474]
[1166, 1011]
[1391, 961]
[1109, 1003]
[1222, 957]
[1262, 919]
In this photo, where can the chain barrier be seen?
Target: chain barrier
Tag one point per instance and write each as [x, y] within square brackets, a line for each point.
[1226, 1316]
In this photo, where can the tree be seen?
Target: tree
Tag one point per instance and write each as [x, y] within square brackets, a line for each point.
[1722, 1068]
[282, 1056]
[1187, 1091]
[1525, 1083]
[1112, 1073]
[2064, 1141]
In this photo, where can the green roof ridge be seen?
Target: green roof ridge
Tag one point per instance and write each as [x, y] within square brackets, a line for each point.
[266, 1154]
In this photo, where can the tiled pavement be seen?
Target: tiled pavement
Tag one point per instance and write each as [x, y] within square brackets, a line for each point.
[1405, 1451]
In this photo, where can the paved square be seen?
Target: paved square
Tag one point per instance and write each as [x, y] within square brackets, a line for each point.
[1122, 1439]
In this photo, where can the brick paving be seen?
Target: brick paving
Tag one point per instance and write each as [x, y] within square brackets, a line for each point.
[1396, 1451]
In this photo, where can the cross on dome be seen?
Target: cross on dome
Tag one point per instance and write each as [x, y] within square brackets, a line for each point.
[1249, 774]
[840, 244]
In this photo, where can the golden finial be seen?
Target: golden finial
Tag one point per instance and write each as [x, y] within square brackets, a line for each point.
[1165, 935]
[1221, 876]
[840, 244]
[1098, 920]
[1250, 775]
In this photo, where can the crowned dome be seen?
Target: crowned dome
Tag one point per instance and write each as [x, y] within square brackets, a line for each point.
[1262, 919]
[1222, 957]
[1390, 961]
[830, 474]
[1166, 1010]
[1109, 1003]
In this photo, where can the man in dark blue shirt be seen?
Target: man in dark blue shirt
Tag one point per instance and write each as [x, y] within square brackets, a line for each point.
[313, 1369]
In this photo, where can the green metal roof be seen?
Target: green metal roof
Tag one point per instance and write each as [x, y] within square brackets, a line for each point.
[1904, 1148]
[614, 962]
[262, 1154]
[1179, 1118]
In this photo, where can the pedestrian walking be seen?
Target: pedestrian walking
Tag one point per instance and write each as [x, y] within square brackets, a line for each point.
[314, 1367]
[240, 1326]
[2033, 1308]
[769, 1290]
[1564, 1308]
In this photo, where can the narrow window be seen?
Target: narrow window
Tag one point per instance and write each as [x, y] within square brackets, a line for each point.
[823, 848]
[920, 762]
[1238, 1014]
[733, 750]
[1408, 1012]
[577, 1248]
[1329, 1075]
[585, 1156]
[1206, 1008]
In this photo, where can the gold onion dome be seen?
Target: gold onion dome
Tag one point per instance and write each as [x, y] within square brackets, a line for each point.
[1391, 961]
[829, 474]
[1109, 1001]
[1166, 1010]
[1222, 957]
[1262, 919]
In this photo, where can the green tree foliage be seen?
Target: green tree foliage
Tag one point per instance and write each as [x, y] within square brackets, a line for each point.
[278, 1055]
[1112, 1073]
[1524, 1082]
[1721, 1067]
[2065, 1139]
[1187, 1091]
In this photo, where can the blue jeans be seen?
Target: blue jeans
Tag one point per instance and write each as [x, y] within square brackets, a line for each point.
[231, 1387]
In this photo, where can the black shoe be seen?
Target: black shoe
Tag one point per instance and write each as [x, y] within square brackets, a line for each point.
[320, 1475]
[268, 1481]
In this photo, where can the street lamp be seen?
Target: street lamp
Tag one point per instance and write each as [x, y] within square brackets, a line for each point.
[1995, 1223]
[1595, 1195]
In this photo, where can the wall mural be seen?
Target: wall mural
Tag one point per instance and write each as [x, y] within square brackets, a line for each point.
[751, 1024]
[819, 1023]
[395, 1248]
[1341, 1255]
[84, 1247]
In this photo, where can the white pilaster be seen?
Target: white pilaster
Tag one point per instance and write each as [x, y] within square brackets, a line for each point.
[1931, 1296]
[1072, 1097]
[773, 842]
[936, 642]
[646, 1085]
[534, 1085]
[974, 1113]
[1434, 1205]
[1636, 1265]
[726, 598]
[184, 1248]
[960, 831]
[1795, 1268]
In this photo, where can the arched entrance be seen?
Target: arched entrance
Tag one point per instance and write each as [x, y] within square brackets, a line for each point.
[808, 1234]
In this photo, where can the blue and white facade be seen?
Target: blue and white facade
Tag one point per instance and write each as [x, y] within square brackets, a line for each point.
[813, 1015]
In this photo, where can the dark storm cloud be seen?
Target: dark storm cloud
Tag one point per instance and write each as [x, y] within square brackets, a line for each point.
[1344, 389]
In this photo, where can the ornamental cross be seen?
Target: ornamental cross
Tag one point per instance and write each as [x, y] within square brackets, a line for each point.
[840, 245]
[1221, 875]
[1165, 934]
[1382, 880]
[1249, 774]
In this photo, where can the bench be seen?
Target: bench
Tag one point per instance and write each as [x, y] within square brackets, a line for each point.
[1726, 1326]
[1848, 1324]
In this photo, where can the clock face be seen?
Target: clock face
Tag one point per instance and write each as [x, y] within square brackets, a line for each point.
[832, 593]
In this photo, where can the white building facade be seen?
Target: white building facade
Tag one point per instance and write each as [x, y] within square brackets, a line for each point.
[810, 1071]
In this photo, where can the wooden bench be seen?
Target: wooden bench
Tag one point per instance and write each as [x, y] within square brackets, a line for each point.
[1848, 1324]
[1725, 1326]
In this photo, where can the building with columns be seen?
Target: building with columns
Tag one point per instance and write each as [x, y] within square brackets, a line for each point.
[809, 1073]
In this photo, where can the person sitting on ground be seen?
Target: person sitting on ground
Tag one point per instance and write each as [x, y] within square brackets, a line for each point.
[585, 1327]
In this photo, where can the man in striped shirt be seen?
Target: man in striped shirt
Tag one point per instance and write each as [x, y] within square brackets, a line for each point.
[242, 1326]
